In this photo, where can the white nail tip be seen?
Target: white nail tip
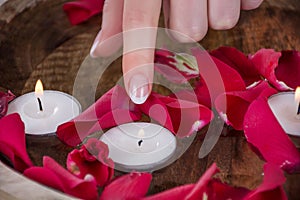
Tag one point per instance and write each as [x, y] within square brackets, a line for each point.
[139, 89]
[93, 49]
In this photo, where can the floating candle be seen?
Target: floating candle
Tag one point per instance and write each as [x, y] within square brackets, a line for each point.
[139, 145]
[42, 111]
[285, 107]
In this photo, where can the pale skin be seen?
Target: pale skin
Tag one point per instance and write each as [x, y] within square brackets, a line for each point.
[192, 18]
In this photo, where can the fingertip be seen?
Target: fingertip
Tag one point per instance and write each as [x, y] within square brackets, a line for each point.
[106, 46]
[224, 23]
[107, 40]
[193, 34]
[189, 21]
[223, 15]
[93, 50]
[138, 75]
[250, 4]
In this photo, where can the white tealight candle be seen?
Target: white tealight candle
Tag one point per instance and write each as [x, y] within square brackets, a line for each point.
[285, 107]
[139, 146]
[42, 111]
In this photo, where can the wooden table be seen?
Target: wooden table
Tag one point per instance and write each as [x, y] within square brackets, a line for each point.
[36, 41]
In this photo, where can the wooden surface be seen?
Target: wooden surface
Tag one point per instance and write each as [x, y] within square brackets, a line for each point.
[36, 41]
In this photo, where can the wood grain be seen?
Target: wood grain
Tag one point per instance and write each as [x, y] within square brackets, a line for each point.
[37, 41]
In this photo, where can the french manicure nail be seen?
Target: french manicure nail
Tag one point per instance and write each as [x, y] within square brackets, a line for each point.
[139, 88]
[95, 45]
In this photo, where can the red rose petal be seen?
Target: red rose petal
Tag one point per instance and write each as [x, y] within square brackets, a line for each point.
[165, 63]
[216, 78]
[72, 133]
[91, 159]
[264, 132]
[210, 188]
[12, 139]
[157, 110]
[54, 175]
[266, 61]
[221, 190]
[202, 183]
[44, 176]
[238, 61]
[112, 109]
[236, 105]
[288, 69]
[190, 191]
[5, 98]
[80, 11]
[187, 117]
[175, 193]
[271, 187]
[130, 186]
[72, 185]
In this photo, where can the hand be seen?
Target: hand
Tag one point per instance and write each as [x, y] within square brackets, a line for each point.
[136, 17]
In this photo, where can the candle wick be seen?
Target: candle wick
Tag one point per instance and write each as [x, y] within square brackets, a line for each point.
[140, 142]
[298, 111]
[40, 104]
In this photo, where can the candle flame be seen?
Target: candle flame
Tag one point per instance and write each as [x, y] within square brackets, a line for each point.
[141, 133]
[39, 88]
[297, 94]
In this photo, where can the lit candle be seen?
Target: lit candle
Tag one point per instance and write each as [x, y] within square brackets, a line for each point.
[139, 146]
[286, 109]
[42, 111]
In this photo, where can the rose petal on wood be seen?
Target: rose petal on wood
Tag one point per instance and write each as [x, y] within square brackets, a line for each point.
[238, 61]
[266, 61]
[131, 186]
[264, 132]
[12, 139]
[232, 106]
[82, 10]
[288, 69]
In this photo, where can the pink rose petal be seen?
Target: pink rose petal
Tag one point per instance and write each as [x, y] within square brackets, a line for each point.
[266, 61]
[288, 69]
[264, 132]
[91, 159]
[81, 10]
[238, 61]
[237, 102]
[12, 139]
[130, 186]
[54, 175]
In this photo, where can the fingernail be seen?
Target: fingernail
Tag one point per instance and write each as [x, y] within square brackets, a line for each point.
[95, 45]
[139, 88]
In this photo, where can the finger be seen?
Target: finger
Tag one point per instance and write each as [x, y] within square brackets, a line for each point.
[109, 38]
[166, 8]
[250, 4]
[223, 14]
[140, 20]
[188, 19]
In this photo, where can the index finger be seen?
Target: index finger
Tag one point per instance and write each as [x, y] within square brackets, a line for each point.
[140, 20]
